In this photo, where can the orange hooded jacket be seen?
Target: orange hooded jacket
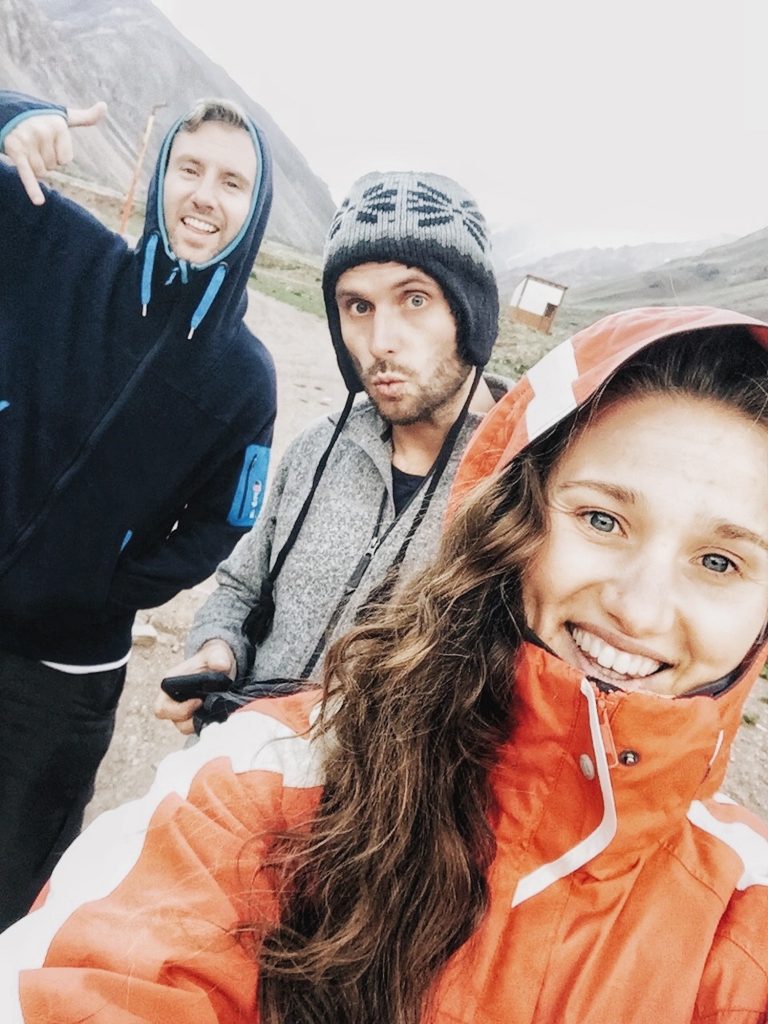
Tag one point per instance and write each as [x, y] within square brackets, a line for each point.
[625, 889]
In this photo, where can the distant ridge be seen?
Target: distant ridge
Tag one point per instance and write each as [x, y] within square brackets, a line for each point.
[734, 276]
[129, 54]
[589, 266]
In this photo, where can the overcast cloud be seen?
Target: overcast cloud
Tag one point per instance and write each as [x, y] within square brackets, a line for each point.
[595, 121]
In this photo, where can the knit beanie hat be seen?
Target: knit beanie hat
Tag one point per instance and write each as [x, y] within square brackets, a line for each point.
[425, 221]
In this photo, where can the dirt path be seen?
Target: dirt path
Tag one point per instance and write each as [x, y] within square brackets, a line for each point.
[309, 386]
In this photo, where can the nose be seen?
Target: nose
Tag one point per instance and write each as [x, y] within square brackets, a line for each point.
[641, 595]
[384, 339]
[203, 194]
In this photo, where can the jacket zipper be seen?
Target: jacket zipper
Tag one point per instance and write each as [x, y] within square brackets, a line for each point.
[611, 754]
[360, 569]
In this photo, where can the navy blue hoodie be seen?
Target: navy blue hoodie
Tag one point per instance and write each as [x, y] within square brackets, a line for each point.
[132, 455]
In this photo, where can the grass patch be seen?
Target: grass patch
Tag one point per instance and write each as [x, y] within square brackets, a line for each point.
[518, 347]
[290, 277]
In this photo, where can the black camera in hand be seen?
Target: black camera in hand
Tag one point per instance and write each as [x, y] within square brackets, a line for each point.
[197, 684]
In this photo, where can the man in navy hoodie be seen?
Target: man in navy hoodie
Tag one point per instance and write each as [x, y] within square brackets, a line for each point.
[136, 414]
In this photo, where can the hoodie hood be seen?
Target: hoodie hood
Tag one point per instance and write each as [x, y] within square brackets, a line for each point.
[215, 290]
[567, 377]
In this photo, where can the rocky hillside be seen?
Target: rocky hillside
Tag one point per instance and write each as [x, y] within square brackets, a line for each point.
[78, 51]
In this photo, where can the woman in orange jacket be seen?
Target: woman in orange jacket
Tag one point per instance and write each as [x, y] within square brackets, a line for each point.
[508, 807]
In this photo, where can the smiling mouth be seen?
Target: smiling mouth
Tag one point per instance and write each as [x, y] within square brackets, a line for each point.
[617, 664]
[199, 225]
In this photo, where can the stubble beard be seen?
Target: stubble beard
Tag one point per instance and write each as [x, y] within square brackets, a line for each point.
[444, 384]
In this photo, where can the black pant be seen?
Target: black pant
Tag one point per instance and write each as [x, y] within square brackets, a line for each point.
[55, 728]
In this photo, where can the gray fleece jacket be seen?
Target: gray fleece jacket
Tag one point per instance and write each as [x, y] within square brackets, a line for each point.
[352, 505]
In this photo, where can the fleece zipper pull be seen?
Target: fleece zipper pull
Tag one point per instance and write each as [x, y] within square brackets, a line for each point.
[360, 569]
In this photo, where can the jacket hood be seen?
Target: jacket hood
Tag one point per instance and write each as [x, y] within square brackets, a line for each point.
[216, 288]
[567, 377]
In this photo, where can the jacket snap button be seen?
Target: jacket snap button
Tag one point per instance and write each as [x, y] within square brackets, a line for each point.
[629, 757]
[587, 767]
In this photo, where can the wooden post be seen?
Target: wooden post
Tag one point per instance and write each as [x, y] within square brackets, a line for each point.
[128, 201]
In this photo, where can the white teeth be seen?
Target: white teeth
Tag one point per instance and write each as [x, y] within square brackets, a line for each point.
[621, 662]
[606, 656]
[592, 645]
[200, 225]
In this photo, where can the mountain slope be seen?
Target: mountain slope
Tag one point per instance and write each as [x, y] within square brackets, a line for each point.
[77, 51]
[585, 267]
[734, 276]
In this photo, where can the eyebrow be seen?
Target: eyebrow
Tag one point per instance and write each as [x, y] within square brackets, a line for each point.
[721, 527]
[615, 491]
[415, 280]
[229, 173]
[732, 531]
[405, 282]
[180, 155]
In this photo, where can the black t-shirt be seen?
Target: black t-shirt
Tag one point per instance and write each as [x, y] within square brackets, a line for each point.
[403, 487]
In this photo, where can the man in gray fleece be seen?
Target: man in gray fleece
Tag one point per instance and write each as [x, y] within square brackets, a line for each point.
[358, 498]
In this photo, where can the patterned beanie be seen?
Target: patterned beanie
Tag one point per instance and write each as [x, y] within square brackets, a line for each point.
[425, 221]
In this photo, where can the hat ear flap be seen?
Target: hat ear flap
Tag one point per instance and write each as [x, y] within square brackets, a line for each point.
[343, 358]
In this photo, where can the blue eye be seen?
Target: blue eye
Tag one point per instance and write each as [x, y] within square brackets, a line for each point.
[601, 521]
[717, 563]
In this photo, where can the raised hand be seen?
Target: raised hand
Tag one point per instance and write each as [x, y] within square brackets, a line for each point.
[43, 142]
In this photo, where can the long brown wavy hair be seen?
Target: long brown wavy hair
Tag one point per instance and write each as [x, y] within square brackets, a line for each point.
[390, 880]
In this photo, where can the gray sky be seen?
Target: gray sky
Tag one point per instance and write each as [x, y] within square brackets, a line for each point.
[593, 121]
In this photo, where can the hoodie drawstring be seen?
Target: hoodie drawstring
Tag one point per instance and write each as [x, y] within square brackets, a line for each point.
[208, 296]
[181, 268]
[146, 272]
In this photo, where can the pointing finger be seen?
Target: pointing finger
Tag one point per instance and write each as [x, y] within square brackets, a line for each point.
[29, 181]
